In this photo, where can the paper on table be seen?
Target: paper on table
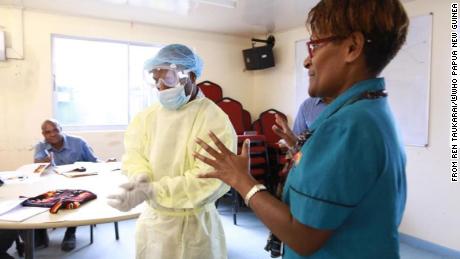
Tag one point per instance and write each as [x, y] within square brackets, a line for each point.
[65, 168]
[35, 169]
[9, 204]
[12, 176]
[78, 174]
[74, 170]
[21, 213]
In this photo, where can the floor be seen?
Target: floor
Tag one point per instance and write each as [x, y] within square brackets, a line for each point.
[249, 227]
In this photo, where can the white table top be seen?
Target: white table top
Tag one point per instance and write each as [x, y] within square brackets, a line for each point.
[92, 212]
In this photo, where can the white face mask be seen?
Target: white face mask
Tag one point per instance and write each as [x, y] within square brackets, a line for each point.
[174, 98]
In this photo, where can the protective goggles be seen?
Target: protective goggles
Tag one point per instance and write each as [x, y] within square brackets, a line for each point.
[169, 76]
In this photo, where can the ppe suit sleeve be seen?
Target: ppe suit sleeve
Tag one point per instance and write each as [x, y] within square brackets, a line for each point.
[134, 160]
[188, 191]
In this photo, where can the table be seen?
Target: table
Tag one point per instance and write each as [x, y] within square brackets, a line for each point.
[93, 212]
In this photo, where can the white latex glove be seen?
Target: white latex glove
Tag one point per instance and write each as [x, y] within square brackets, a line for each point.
[133, 193]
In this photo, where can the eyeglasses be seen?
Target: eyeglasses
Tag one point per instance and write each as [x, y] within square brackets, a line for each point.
[315, 44]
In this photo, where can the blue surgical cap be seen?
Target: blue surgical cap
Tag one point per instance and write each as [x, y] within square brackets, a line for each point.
[177, 54]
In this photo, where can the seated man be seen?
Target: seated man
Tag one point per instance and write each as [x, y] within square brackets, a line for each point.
[61, 149]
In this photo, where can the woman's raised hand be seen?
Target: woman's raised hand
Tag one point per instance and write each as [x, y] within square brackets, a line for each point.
[284, 132]
[228, 167]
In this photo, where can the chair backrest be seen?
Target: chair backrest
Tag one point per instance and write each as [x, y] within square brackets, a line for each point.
[256, 126]
[247, 120]
[258, 156]
[211, 90]
[267, 120]
[234, 110]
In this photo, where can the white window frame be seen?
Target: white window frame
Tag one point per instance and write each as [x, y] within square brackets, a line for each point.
[77, 128]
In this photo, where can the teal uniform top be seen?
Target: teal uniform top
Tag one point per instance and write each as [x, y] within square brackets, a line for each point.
[349, 177]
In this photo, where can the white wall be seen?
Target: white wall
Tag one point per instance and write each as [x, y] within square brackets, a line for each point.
[275, 87]
[433, 207]
[25, 85]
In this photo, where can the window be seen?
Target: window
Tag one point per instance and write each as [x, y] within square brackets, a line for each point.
[99, 84]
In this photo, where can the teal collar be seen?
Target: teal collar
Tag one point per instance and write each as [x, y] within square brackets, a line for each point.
[374, 84]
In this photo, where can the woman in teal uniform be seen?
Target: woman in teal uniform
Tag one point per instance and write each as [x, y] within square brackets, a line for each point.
[346, 191]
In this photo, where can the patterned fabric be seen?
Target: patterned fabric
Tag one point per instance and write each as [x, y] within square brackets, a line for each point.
[55, 200]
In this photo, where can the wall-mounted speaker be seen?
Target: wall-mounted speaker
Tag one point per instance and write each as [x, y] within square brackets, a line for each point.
[258, 58]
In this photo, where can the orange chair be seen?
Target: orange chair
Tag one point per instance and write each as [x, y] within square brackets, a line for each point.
[234, 110]
[211, 90]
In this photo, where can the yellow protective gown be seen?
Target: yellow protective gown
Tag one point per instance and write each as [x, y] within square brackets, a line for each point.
[181, 221]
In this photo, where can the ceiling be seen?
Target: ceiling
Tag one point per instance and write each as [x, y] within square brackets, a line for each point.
[247, 18]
